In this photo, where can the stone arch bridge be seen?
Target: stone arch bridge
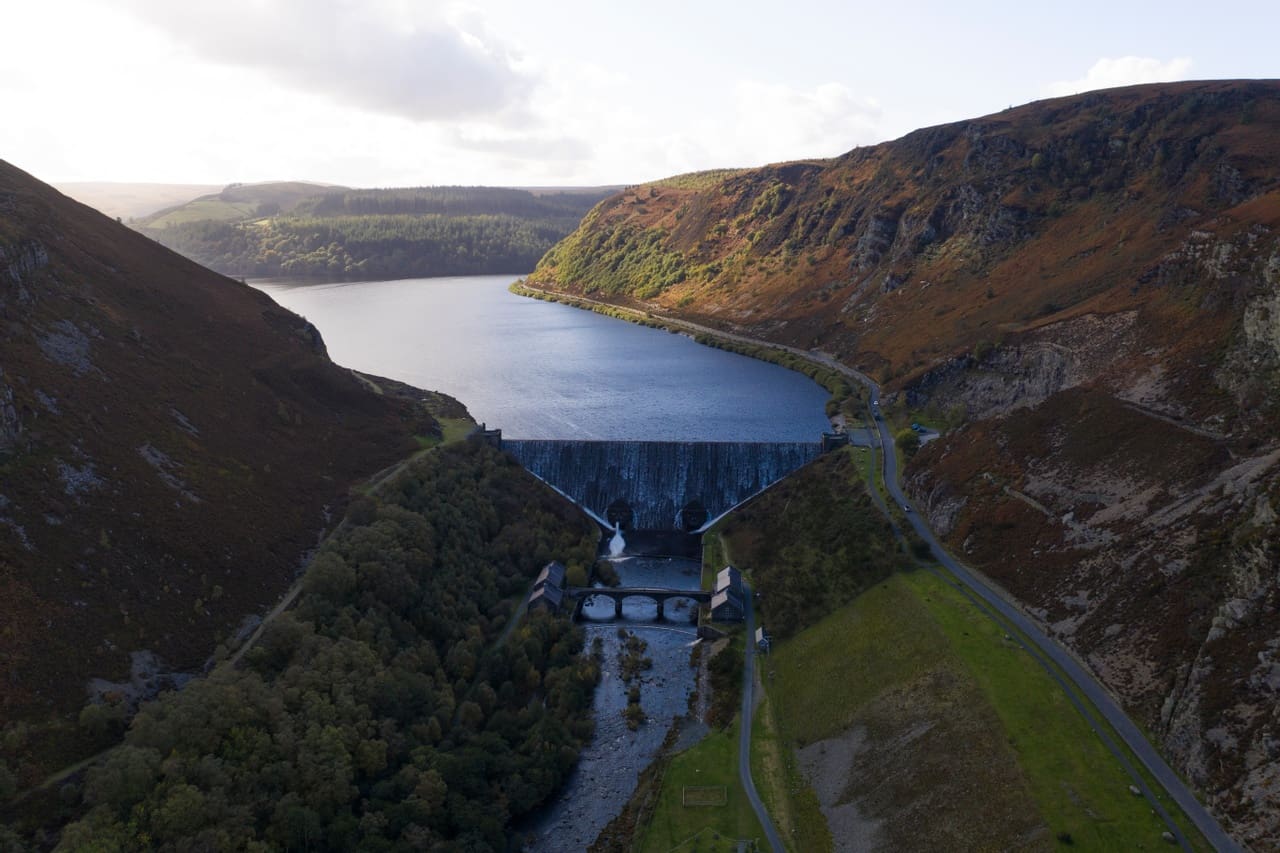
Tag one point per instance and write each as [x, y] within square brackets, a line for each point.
[661, 595]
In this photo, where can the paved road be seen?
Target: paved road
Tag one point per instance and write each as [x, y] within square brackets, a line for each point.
[1080, 677]
[744, 742]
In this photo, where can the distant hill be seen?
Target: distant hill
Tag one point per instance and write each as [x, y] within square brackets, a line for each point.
[1086, 290]
[292, 229]
[172, 443]
[133, 200]
[235, 203]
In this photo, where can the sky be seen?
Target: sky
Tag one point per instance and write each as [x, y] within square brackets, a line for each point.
[378, 93]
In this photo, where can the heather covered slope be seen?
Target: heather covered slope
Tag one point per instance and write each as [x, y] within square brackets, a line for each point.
[1089, 289]
[171, 443]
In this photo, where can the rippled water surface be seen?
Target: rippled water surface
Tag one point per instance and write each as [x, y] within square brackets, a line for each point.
[542, 370]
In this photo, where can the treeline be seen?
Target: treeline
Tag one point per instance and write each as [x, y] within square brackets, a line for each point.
[382, 712]
[812, 543]
[365, 234]
[452, 201]
[366, 247]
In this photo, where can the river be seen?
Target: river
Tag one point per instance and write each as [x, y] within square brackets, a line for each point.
[543, 370]
[610, 765]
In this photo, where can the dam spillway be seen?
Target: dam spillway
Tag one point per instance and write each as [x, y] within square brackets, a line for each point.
[660, 485]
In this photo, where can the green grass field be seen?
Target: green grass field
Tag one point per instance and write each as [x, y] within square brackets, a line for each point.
[206, 209]
[966, 739]
[793, 806]
[713, 763]
[1079, 786]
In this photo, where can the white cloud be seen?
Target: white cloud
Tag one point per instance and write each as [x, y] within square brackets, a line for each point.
[552, 148]
[389, 57]
[775, 122]
[1123, 71]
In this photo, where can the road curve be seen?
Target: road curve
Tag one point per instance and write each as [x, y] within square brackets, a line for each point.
[744, 741]
[1081, 678]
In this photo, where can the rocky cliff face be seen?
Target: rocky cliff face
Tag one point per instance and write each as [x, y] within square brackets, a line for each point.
[171, 444]
[1091, 287]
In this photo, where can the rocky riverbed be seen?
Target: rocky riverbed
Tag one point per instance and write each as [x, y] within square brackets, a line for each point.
[606, 775]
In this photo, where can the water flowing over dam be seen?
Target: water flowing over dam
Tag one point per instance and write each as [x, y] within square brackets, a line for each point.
[660, 485]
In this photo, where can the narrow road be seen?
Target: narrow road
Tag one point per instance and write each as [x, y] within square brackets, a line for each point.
[1081, 678]
[744, 742]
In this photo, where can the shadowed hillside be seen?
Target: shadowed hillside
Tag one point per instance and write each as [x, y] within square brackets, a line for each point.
[171, 444]
[1088, 287]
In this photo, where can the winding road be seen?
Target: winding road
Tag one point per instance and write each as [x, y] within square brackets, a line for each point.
[744, 741]
[1045, 648]
[1066, 662]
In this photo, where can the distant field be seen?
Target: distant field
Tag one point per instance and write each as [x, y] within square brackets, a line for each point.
[204, 210]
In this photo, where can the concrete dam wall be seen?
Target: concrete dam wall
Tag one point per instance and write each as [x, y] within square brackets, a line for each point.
[659, 485]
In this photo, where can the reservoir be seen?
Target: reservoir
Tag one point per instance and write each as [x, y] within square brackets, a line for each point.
[543, 370]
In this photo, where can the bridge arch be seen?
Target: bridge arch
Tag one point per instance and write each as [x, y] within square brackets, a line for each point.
[672, 604]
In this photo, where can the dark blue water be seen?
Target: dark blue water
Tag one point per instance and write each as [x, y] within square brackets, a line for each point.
[542, 370]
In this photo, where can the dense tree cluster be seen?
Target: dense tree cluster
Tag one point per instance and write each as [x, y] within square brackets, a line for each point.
[366, 234]
[628, 260]
[812, 543]
[389, 710]
[366, 247]
[451, 201]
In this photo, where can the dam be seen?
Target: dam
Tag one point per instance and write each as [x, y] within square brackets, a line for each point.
[660, 485]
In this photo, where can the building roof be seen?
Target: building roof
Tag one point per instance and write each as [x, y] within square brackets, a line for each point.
[729, 577]
[723, 597]
[552, 573]
[546, 594]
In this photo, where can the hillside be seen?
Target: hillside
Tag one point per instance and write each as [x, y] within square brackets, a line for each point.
[403, 704]
[295, 229]
[172, 443]
[1087, 290]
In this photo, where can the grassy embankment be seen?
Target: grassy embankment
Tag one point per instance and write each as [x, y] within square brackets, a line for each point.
[914, 652]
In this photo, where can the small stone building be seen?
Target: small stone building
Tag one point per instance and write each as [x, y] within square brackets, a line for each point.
[552, 573]
[726, 607]
[729, 579]
[546, 597]
[727, 604]
[548, 589]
